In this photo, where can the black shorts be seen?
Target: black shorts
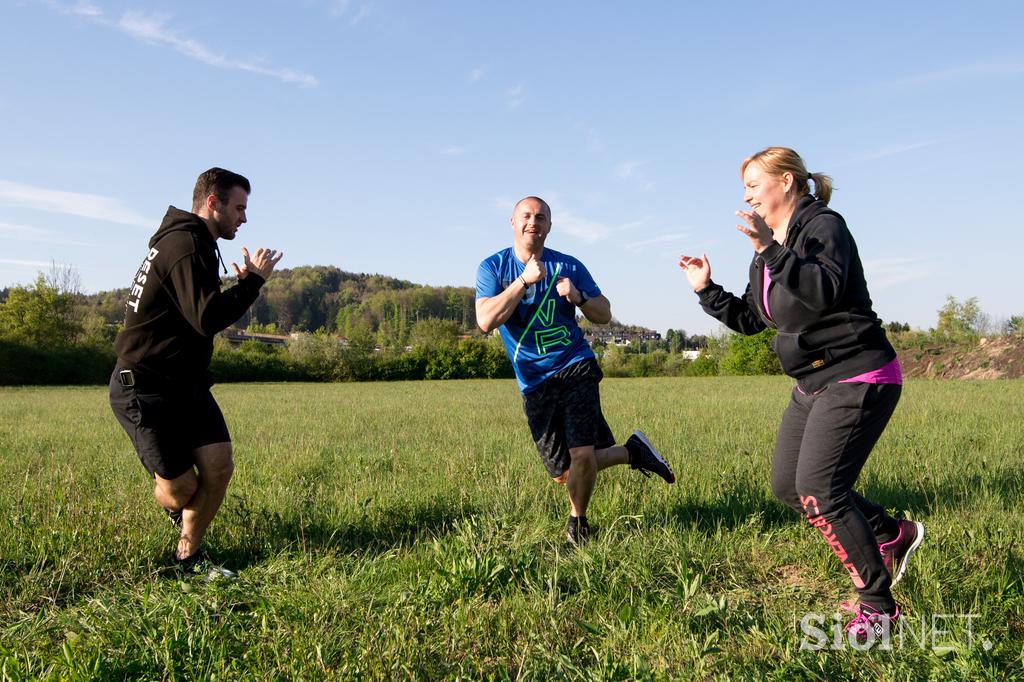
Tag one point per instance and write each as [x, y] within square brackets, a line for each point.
[166, 425]
[564, 412]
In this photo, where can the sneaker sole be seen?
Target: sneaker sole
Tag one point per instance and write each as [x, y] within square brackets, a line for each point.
[219, 573]
[913, 548]
[643, 439]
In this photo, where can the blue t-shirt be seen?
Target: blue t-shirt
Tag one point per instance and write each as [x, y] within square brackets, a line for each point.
[542, 336]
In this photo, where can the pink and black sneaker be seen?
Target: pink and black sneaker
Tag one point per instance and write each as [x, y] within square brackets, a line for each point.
[896, 553]
[872, 624]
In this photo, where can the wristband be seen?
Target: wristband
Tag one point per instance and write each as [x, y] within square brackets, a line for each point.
[583, 299]
[525, 285]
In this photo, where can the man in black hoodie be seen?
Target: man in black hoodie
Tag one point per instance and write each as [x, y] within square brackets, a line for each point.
[160, 389]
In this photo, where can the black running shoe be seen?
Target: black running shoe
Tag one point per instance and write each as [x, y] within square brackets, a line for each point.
[174, 517]
[199, 565]
[577, 530]
[644, 458]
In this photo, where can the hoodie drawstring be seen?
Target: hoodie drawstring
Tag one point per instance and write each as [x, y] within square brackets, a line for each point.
[220, 258]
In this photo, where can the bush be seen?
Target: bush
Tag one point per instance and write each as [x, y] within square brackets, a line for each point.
[22, 364]
[320, 356]
[399, 367]
[255, 361]
[704, 366]
[748, 355]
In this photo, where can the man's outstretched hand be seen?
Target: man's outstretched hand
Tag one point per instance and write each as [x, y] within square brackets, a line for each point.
[261, 264]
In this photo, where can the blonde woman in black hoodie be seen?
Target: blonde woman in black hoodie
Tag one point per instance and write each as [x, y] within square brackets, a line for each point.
[807, 282]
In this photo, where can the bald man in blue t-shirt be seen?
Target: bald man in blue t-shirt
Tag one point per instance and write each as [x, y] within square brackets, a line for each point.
[531, 294]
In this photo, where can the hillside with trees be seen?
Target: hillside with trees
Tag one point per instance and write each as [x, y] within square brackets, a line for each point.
[327, 299]
[320, 323]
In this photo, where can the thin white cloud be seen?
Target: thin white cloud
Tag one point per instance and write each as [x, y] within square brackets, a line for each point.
[85, 9]
[893, 150]
[1007, 68]
[361, 13]
[884, 273]
[342, 8]
[81, 8]
[476, 74]
[79, 204]
[453, 150]
[634, 224]
[285, 75]
[632, 171]
[515, 96]
[29, 263]
[565, 221]
[639, 246]
[152, 29]
[626, 169]
[28, 233]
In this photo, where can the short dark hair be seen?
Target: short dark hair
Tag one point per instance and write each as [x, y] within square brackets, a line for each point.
[219, 182]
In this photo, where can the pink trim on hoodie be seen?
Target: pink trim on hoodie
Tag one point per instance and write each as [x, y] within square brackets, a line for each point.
[889, 373]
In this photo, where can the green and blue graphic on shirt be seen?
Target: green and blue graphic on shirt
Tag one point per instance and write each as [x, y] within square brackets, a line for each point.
[542, 336]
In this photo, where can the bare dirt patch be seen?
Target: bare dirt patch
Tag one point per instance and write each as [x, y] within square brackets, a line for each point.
[1000, 357]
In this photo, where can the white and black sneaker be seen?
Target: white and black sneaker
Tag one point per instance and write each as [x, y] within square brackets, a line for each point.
[644, 458]
[199, 565]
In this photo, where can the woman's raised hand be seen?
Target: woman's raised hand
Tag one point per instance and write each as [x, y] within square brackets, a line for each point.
[698, 270]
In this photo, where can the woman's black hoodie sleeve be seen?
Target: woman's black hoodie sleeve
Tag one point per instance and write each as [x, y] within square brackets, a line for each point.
[738, 314]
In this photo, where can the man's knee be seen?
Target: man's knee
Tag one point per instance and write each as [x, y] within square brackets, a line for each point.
[215, 463]
[176, 492]
[583, 455]
[582, 462]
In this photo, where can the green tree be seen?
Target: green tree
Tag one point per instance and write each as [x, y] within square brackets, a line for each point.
[433, 332]
[960, 320]
[675, 340]
[319, 355]
[747, 355]
[39, 315]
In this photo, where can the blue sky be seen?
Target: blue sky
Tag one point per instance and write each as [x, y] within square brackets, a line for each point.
[394, 137]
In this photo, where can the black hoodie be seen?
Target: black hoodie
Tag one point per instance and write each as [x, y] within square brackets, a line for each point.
[818, 300]
[175, 305]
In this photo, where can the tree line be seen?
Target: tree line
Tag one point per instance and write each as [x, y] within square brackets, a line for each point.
[390, 328]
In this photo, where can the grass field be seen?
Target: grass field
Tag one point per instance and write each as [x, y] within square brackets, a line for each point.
[408, 530]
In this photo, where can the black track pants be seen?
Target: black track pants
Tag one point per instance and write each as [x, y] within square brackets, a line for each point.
[822, 445]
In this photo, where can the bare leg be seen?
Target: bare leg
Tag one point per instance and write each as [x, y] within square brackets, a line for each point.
[616, 454]
[582, 475]
[175, 493]
[215, 468]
